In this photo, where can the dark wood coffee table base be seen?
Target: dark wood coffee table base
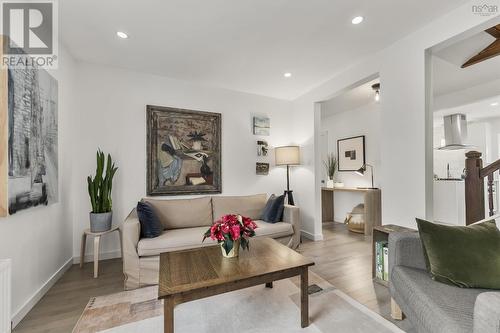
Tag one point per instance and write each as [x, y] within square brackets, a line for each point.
[172, 300]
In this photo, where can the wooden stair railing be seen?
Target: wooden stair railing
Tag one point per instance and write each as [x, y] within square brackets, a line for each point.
[474, 186]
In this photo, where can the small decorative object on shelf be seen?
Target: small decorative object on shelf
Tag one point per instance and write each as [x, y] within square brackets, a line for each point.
[231, 231]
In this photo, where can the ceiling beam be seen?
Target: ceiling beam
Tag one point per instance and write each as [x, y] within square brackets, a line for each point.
[490, 51]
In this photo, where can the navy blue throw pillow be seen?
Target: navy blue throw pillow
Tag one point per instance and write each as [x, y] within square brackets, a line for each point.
[273, 212]
[151, 226]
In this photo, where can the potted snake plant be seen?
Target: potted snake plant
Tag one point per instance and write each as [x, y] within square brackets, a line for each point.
[100, 194]
[331, 169]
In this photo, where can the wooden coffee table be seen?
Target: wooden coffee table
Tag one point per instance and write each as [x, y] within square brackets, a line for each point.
[198, 273]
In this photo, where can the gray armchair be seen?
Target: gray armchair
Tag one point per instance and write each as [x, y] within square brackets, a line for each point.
[433, 306]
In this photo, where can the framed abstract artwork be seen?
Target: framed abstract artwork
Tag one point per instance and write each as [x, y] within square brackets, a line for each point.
[183, 151]
[351, 153]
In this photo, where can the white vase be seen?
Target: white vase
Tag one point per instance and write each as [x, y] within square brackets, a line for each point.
[235, 251]
[338, 184]
[330, 183]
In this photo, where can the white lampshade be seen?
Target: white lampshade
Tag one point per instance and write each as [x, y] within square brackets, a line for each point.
[287, 155]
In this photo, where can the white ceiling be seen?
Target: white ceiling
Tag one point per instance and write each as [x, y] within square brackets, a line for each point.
[243, 45]
[350, 100]
[476, 111]
[453, 85]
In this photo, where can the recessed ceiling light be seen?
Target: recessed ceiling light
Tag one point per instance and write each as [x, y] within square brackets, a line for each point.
[357, 20]
[121, 34]
[494, 104]
[288, 74]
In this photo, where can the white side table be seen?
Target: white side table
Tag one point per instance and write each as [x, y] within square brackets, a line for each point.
[97, 239]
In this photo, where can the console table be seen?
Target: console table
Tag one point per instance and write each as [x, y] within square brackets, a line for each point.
[372, 200]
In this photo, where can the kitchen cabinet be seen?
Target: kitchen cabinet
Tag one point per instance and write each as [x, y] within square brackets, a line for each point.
[449, 201]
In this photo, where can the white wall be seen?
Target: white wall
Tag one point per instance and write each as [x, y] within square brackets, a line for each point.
[404, 145]
[365, 121]
[112, 115]
[39, 240]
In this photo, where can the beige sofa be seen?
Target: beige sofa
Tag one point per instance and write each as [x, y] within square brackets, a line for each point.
[185, 221]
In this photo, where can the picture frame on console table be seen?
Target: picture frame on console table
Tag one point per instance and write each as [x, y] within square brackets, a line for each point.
[351, 153]
[183, 151]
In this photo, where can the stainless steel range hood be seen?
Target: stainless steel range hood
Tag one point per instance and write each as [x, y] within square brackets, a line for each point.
[455, 132]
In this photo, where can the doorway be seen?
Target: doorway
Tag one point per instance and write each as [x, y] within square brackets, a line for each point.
[348, 139]
[464, 116]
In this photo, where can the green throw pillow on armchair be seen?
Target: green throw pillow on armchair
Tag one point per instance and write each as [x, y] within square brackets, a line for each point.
[468, 257]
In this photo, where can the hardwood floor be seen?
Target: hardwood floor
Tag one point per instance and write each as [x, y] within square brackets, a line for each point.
[343, 258]
[59, 310]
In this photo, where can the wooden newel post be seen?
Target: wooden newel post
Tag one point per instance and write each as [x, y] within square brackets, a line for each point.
[474, 188]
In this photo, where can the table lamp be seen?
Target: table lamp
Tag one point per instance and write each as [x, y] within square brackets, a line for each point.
[361, 171]
[287, 155]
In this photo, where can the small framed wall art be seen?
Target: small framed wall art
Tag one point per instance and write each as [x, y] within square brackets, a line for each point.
[262, 169]
[351, 153]
[261, 125]
[262, 148]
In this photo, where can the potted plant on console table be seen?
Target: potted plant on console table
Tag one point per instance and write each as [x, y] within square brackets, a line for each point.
[100, 194]
[231, 231]
[331, 170]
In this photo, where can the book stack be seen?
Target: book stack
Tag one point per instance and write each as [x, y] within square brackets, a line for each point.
[382, 260]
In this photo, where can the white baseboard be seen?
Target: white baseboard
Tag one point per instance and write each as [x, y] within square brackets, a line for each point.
[308, 235]
[31, 302]
[339, 219]
[102, 256]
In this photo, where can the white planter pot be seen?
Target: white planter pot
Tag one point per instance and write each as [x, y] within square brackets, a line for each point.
[338, 184]
[330, 183]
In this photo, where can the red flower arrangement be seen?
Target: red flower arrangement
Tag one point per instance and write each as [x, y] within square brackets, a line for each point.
[232, 230]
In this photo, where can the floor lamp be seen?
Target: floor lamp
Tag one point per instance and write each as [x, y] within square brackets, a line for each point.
[287, 155]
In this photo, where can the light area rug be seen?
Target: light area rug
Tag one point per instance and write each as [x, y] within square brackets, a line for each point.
[251, 310]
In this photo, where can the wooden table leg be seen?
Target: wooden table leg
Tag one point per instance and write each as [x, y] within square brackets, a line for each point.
[121, 242]
[304, 297]
[82, 249]
[327, 214]
[168, 315]
[96, 255]
[396, 312]
[269, 285]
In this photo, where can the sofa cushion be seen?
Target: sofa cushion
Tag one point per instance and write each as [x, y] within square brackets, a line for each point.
[188, 238]
[151, 226]
[433, 305]
[466, 256]
[250, 206]
[273, 211]
[274, 230]
[173, 240]
[183, 213]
